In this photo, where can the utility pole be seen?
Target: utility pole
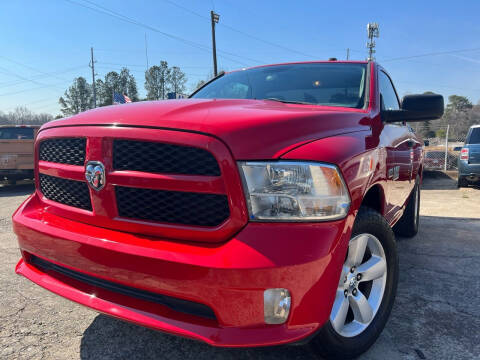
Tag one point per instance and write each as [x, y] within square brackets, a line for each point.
[214, 18]
[372, 32]
[348, 54]
[146, 51]
[92, 65]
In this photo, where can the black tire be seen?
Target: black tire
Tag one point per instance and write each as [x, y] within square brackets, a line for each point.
[330, 344]
[462, 182]
[407, 226]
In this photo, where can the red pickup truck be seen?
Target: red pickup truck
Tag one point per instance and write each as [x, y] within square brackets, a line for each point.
[257, 212]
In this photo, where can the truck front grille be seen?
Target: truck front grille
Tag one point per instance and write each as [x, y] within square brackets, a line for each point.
[163, 158]
[69, 192]
[170, 184]
[176, 207]
[63, 150]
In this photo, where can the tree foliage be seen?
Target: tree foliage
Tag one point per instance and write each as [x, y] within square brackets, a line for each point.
[22, 115]
[78, 97]
[122, 83]
[158, 81]
[178, 80]
[459, 104]
[460, 114]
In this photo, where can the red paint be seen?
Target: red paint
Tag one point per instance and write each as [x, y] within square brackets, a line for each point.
[227, 267]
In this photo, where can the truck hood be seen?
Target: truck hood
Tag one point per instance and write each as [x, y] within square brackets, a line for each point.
[252, 129]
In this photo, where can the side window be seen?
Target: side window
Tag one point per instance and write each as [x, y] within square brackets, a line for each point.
[387, 92]
[474, 136]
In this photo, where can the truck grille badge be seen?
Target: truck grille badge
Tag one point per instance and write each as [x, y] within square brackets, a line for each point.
[95, 175]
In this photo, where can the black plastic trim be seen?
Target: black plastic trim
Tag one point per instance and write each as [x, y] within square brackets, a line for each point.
[183, 306]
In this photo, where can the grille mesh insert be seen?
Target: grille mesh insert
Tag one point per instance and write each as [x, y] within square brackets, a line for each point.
[172, 206]
[64, 151]
[163, 158]
[65, 191]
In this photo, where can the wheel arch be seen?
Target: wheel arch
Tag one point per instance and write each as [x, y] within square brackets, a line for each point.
[374, 198]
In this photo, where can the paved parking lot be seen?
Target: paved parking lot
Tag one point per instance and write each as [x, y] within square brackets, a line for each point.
[436, 314]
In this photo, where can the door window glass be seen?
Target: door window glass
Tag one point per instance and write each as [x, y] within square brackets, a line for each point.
[387, 92]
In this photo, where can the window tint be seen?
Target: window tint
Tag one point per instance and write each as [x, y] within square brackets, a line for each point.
[474, 137]
[16, 133]
[387, 92]
[315, 83]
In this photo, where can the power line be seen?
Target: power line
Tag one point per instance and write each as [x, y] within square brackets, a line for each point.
[437, 85]
[118, 64]
[430, 54]
[36, 88]
[137, 71]
[9, 72]
[240, 31]
[31, 68]
[106, 11]
[139, 65]
[41, 76]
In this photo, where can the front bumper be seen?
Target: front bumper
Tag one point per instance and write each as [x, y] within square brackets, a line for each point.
[229, 278]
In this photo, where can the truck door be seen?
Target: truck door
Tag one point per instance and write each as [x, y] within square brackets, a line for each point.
[399, 144]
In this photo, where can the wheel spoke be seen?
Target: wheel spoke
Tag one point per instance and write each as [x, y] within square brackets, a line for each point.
[356, 250]
[372, 269]
[339, 311]
[362, 311]
[345, 271]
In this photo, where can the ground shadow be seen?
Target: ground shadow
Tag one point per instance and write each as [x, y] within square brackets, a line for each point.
[109, 338]
[439, 180]
[24, 188]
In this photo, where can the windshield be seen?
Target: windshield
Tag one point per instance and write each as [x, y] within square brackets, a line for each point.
[331, 84]
[16, 133]
[474, 137]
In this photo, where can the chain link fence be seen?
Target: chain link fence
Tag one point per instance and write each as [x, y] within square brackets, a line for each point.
[442, 150]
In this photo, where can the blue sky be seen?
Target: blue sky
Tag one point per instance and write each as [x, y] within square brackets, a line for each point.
[45, 44]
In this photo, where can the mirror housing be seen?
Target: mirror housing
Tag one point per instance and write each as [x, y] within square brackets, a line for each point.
[422, 107]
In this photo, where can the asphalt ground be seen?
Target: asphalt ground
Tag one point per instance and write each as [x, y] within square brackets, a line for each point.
[436, 313]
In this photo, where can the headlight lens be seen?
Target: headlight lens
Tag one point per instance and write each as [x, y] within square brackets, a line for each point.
[294, 191]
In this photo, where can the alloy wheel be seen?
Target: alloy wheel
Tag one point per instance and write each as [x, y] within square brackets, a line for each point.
[361, 286]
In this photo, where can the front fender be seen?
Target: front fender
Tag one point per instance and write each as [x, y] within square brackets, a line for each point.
[361, 163]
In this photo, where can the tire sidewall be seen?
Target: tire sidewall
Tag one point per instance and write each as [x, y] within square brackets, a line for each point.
[417, 195]
[353, 346]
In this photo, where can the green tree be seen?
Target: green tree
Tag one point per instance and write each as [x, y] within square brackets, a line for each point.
[459, 115]
[122, 83]
[77, 98]
[178, 80]
[458, 103]
[157, 81]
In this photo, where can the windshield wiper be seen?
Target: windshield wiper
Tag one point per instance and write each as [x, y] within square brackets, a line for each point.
[290, 101]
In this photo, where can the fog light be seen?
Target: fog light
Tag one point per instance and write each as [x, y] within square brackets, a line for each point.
[276, 305]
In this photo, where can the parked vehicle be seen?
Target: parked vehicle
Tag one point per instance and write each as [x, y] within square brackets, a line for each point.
[16, 152]
[469, 160]
[257, 212]
[434, 160]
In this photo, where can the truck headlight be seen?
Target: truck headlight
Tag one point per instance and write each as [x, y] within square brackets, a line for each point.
[294, 191]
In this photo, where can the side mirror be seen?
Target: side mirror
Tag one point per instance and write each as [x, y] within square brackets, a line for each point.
[422, 107]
